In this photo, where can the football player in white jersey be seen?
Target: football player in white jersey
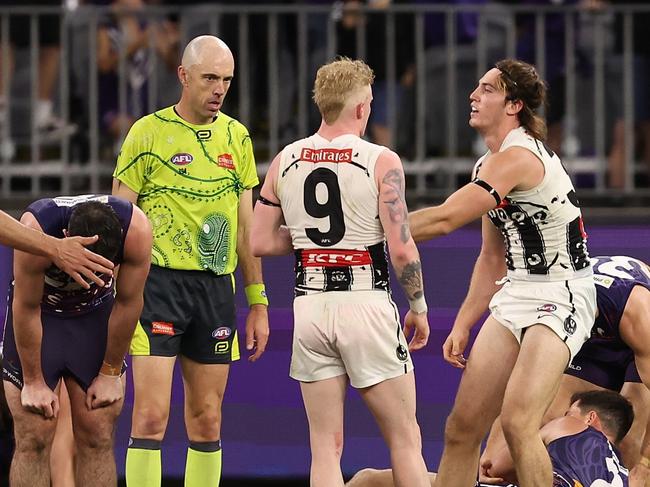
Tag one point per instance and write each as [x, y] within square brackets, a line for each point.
[341, 199]
[542, 311]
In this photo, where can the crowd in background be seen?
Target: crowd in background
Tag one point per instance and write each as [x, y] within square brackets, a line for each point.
[150, 42]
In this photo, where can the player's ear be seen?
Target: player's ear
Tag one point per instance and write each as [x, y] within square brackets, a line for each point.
[360, 111]
[182, 75]
[514, 106]
[592, 417]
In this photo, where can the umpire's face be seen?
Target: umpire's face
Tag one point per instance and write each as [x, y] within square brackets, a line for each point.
[207, 81]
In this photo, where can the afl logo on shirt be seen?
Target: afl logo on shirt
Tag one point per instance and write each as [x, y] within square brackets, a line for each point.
[182, 159]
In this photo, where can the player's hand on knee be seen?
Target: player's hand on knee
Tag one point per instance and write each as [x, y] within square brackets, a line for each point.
[418, 324]
[454, 346]
[38, 398]
[104, 391]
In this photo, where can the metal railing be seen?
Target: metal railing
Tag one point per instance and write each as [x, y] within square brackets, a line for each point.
[277, 50]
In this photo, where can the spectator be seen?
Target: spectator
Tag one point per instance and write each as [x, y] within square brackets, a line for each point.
[554, 61]
[350, 16]
[49, 126]
[437, 109]
[124, 30]
[641, 81]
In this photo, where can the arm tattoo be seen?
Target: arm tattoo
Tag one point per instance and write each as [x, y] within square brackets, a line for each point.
[411, 280]
[396, 202]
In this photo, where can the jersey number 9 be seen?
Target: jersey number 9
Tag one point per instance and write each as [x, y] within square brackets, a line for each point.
[330, 208]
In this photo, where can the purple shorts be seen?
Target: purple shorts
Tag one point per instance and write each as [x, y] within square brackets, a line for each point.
[72, 346]
[604, 364]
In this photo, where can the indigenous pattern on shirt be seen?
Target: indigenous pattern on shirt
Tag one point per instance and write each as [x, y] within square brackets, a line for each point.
[329, 200]
[189, 179]
[586, 459]
[61, 294]
[542, 227]
[615, 277]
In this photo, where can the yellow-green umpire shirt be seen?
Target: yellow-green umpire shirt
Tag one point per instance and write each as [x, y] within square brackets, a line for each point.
[189, 179]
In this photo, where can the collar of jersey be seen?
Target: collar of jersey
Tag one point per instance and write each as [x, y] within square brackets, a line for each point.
[193, 125]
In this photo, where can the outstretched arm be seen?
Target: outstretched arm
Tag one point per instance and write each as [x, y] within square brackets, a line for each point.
[500, 174]
[68, 254]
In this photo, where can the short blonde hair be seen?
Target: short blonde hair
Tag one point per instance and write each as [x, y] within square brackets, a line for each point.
[336, 82]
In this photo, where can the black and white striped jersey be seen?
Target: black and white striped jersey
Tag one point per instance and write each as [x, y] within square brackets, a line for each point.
[543, 230]
[329, 200]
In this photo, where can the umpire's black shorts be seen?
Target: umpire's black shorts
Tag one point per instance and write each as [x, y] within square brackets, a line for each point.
[189, 313]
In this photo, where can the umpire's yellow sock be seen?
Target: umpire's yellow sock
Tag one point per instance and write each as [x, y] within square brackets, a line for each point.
[143, 464]
[203, 466]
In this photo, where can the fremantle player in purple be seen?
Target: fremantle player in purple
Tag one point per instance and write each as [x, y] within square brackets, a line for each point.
[69, 254]
[57, 330]
[580, 445]
[617, 355]
[619, 338]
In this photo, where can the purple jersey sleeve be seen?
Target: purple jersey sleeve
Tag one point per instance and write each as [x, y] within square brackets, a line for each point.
[615, 277]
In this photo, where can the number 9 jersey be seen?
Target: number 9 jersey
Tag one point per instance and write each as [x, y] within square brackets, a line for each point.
[329, 197]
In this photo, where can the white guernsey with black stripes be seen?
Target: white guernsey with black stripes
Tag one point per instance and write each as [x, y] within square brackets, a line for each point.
[329, 201]
[542, 227]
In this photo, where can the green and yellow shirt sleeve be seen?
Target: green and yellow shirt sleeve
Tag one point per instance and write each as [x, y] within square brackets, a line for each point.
[133, 161]
[247, 171]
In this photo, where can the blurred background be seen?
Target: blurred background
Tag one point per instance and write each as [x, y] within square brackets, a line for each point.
[75, 75]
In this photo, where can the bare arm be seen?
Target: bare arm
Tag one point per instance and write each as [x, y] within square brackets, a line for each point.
[68, 254]
[268, 235]
[107, 58]
[393, 214]
[503, 171]
[489, 462]
[29, 272]
[635, 331]
[369, 477]
[123, 191]
[502, 462]
[489, 267]
[107, 388]
[250, 265]
[257, 322]
[130, 280]
[404, 255]
[130, 286]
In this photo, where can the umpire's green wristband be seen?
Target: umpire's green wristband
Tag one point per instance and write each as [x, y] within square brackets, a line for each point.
[256, 294]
